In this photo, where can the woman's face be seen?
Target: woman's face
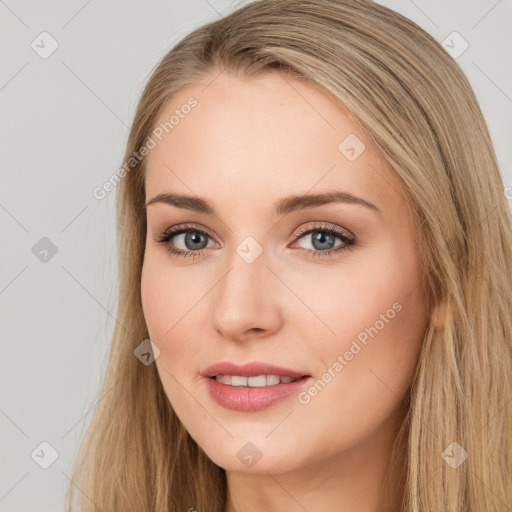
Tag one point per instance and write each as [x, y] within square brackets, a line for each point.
[329, 289]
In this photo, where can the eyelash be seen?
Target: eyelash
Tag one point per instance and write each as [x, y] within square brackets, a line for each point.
[170, 233]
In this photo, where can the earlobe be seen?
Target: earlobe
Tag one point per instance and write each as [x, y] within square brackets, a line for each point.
[438, 316]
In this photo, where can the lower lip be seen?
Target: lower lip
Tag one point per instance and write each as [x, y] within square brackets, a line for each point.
[248, 399]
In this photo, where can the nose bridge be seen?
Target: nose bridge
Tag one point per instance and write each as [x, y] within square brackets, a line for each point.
[247, 262]
[243, 299]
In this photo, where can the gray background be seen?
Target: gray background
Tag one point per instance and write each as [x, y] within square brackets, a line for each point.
[64, 124]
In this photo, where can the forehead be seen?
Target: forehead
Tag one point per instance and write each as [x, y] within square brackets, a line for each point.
[267, 136]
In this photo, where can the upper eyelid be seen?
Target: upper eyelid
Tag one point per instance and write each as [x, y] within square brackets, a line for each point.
[183, 228]
[319, 226]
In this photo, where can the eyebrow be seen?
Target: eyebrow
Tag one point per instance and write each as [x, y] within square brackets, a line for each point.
[282, 206]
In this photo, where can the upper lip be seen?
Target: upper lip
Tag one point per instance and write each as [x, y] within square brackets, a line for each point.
[250, 370]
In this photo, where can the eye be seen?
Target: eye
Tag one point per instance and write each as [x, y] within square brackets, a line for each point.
[195, 240]
[322, 238]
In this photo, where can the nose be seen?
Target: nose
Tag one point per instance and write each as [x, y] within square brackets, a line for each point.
[246, 303]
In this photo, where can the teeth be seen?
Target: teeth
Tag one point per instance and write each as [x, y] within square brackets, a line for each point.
[253, 382]
[238, 381]
[272, 380]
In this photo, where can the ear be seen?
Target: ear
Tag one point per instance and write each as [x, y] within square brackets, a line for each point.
[438, 315]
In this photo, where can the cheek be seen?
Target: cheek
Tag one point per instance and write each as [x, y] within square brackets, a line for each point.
[373, 294]
[379, 316]
[156, 304]
[168, 306]
[168, 295]
[173, 302]
[361, 368]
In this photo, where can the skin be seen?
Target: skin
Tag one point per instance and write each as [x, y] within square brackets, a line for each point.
[245, 145]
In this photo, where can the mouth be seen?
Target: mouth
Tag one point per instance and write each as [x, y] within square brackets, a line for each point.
[246, 397]
[259, 381]
[254, 386]
[236, 373]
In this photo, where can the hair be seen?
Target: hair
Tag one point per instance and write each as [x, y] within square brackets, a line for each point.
[402, 89]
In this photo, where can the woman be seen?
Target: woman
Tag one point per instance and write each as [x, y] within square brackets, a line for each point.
[340, 339]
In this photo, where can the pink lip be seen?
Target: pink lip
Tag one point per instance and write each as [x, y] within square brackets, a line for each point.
[246, 398]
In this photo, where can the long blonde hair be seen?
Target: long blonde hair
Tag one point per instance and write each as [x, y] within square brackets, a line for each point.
[412, 98]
